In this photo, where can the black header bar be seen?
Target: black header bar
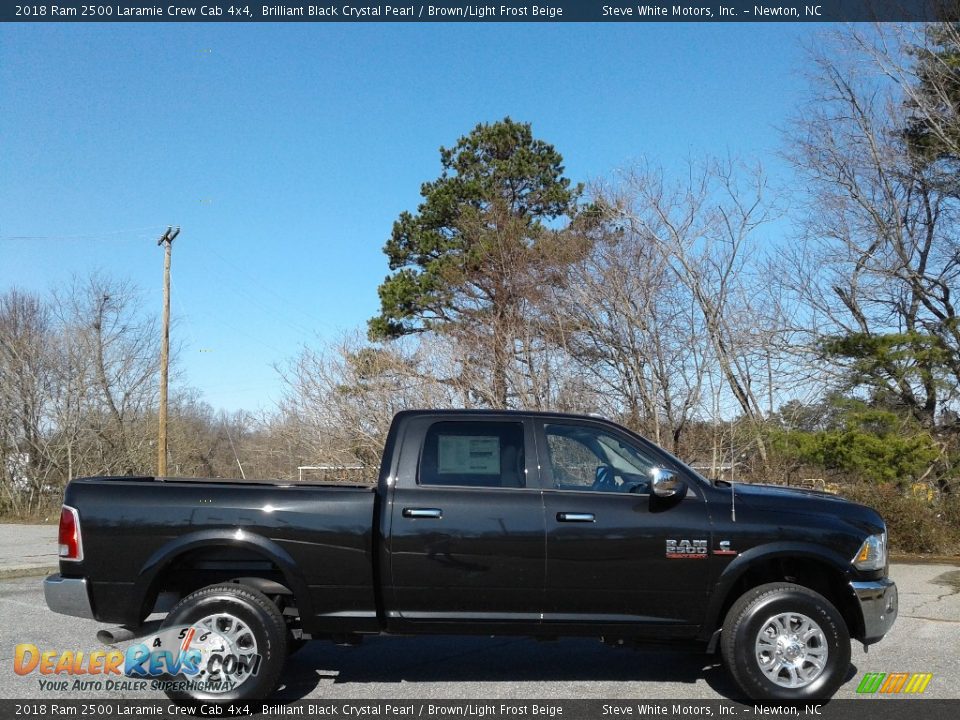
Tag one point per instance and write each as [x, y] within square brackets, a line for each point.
[241, 11]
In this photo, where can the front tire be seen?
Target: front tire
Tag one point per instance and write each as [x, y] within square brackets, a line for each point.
[252, 628]
[787, 643]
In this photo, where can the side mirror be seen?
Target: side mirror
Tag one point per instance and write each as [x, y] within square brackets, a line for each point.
[665, 483]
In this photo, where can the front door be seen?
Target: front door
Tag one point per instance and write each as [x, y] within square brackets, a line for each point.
[609, 540]
[467, 527]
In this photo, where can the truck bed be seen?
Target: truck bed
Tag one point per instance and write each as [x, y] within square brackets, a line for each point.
[315, 538]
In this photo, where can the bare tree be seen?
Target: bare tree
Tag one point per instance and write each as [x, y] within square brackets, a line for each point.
[704, 229]
[26, 390]
[341, 400]
[117, 345]
[881, 255]
[621, 315]
[916, 66]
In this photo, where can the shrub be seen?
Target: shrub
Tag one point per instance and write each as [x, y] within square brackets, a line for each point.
[915, 523]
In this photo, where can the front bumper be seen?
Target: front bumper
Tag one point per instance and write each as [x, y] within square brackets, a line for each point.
[878, 605]
[68, 596]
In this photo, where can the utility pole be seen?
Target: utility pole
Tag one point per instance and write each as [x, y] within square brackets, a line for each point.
[167, 241]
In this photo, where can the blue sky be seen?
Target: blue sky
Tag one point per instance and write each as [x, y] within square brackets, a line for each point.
[285, 151]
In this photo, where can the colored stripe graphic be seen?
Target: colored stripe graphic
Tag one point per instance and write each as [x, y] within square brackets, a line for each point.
[893, 683]
[871, 683]
[918, 682]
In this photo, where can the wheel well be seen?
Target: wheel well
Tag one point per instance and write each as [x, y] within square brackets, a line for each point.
[813, 574]
[198, 568]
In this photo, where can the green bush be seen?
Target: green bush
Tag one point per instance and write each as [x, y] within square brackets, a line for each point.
[869, 444]
[916, 523]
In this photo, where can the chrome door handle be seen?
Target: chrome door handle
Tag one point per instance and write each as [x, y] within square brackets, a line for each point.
[575, 517]
[435, 513]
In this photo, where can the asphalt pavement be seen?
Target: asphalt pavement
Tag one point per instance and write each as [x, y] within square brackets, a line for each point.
[925, 639]
[27, 550]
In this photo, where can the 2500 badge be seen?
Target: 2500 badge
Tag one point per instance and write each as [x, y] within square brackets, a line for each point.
[680, 549]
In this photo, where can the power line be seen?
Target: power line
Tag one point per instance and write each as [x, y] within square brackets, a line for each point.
[141, 232]
[285, 304]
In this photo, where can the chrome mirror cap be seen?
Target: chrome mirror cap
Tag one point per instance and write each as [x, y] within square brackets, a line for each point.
[665, 483]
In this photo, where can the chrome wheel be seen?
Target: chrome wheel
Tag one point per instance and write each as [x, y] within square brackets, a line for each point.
[233, 641]
[791, 650]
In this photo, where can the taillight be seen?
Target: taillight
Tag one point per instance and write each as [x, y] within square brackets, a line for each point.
[71, 546]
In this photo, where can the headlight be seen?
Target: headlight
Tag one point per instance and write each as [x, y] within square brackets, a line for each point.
[872, 555]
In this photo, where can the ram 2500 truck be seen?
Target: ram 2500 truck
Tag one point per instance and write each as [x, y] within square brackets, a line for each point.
[514, 523]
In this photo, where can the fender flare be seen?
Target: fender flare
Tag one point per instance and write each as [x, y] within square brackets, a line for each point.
[167, 554]
[759, 554]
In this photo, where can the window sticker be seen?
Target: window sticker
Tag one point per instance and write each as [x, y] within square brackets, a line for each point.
[468, 455]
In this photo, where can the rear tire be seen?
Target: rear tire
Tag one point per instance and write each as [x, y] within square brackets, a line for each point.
[256, 623]
[785, 642]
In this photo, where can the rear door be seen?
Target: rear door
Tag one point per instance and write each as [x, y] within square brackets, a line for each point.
[467, 523]
[609, 540]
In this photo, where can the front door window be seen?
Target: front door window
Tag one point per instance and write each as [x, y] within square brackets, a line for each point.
[585, 458]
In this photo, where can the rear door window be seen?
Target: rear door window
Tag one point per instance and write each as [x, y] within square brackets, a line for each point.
[473, 454]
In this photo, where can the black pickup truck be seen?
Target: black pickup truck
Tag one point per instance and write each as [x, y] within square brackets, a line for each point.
[517, 523]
